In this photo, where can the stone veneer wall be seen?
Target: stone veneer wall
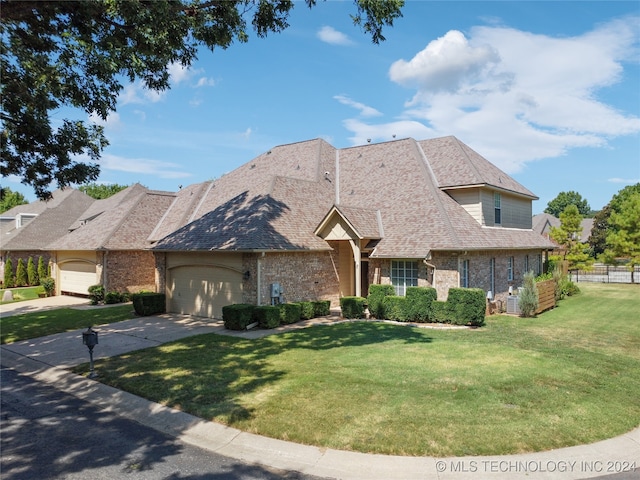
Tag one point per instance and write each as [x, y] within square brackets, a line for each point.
[130, 271]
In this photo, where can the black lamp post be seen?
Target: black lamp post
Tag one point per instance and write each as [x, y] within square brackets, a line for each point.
[90, 339]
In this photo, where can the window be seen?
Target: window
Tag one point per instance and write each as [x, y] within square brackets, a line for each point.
[539, 262]
[497, 201]
[464, 273]
[510, 269]
[492, 275]
[404, 274]
[526, 264]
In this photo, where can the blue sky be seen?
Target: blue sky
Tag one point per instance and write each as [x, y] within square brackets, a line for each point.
[547, 91]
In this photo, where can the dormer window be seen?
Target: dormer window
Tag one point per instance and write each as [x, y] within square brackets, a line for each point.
[497, 208]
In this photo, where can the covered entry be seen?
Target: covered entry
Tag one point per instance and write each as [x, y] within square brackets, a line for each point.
[356, 231]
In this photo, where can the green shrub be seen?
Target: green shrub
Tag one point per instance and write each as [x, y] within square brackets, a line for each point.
[149, 303]
[43, 271]
[96, 294]
[32, 274]
[113, 297]
[306, 310]
[21, 274]
[267, 316]
[49, 285]
[375, 298]
[238, 316]
[467, 306]
[440, 312]
[352, 307]
[9, 280]
[418, 307]
[289, 313]
[395, 308]
[321, 308]
[528, 296]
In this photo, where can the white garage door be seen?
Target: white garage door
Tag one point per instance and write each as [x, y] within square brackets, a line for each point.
[203, 291]
[77, 277]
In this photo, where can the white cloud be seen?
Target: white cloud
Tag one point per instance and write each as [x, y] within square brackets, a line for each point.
[516, 96]
[363, 132]
[137, 93]
[205, 82]
[365, 110]
[334, 37]
[112, 121]
[143, 166]
[179, 73]
[627, 181]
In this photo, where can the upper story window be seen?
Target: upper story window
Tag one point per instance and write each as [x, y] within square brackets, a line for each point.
[404, 273]
[497, 208]
[464, 273]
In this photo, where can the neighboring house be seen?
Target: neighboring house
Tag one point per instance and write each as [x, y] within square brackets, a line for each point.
[323, 223]
[107, 243]
[543, 222]
[27, 230]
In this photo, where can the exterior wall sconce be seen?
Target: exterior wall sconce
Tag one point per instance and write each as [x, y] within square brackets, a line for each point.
[246, 275]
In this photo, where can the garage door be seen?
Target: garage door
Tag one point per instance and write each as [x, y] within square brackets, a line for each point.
[203, 291]
[77, 277]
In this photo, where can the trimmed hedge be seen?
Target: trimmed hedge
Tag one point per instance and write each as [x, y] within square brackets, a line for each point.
[418, 305]
[149, 303]
[376, 297]
[321, 308]
[467, 306]
[306, 310]
[353, 307]
[289, 313]
[111, 298]
[238, 316]
[395, 308]
[440, 312]
[267, 316]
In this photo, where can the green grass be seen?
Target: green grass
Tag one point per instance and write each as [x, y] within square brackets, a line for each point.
[48, 322]
[22, 293]
[570, 376]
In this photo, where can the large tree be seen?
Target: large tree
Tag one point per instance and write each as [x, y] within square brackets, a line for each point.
[79, 54]
[10, 199]
[623, 240]
[556, 206]
[567, 235]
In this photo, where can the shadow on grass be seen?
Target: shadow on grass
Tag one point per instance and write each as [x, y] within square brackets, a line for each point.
[206, 374]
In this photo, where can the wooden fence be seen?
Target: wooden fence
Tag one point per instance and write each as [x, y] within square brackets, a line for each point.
[546, 295]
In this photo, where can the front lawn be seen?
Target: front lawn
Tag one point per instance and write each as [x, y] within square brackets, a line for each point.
[569, 377]
[21, 293]
[39, 324]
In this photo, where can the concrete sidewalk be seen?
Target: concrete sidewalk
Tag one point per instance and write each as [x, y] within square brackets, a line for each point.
[45, 359]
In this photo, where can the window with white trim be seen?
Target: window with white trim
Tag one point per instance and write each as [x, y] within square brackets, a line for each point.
[404, 273]
[510, 269]
[464, 273]
[497, 208]
[526, 264]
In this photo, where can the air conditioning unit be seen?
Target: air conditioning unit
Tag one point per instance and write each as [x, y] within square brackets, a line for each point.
[512, 305]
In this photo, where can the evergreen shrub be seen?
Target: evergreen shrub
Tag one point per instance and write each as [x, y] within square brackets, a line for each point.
[321, 308]
[267, 316]
[353, 307]
[418, 305]
[238, 316]
[467, 306]
[395, 307]
[375, 298]
[149, 303]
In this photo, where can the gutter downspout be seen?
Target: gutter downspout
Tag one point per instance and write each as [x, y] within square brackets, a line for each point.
[259, 280]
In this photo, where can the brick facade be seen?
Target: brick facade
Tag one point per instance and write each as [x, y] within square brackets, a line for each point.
[130, 271]
[24, 255]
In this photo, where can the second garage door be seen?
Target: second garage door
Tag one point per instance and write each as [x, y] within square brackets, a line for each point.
[202, 291]
[76, 277]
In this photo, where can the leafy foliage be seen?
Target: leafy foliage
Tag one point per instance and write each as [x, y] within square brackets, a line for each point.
[101, 191]
[9, 280]
[558, 205]
[21, 274]
[567, 235]
[43, 270]
[528, 296]
[77, 54]
[10, 199]
[598, 237]
[624, 239]
[32, 273]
